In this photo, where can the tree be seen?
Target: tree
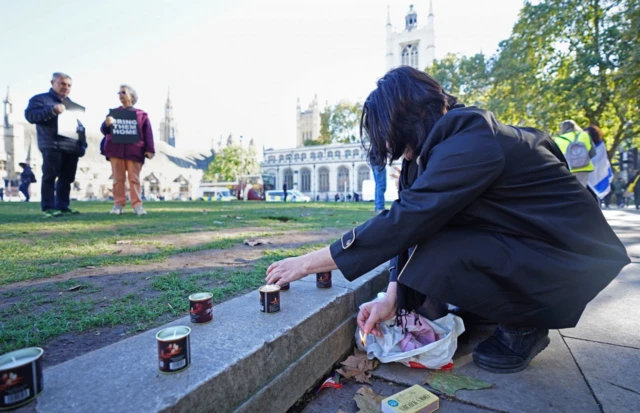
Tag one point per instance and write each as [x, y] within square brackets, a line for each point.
[232, 161]
[339, 124]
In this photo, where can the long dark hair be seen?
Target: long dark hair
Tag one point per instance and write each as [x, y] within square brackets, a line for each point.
[595, 133]
[400, 113]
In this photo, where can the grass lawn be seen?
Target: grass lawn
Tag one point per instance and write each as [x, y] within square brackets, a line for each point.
[33, 248]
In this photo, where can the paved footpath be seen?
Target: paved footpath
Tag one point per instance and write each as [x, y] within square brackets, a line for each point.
[594, 367]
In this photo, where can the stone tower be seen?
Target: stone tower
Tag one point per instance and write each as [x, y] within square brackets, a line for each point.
[308, 122]
[415, 45]
[12, 148]
[168, 128]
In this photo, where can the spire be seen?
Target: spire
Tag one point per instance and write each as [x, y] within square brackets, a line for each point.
[8, 109]
[8, 98]
[430, 7]
[388, 16]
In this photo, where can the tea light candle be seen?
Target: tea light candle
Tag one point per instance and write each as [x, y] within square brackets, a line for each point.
[323, 279]
[174, 349]
[20, 377]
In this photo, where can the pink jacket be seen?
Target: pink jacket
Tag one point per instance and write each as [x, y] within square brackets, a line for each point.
[130, 151]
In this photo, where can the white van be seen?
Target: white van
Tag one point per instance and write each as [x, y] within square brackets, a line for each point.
[293, 195]
[216, 193]
[369, 189]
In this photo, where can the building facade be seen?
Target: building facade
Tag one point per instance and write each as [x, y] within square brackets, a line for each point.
[415, 45]
[308, 122]
[171, 174]
[323, 170]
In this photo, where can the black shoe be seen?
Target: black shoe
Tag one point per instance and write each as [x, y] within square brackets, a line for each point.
[510, 349]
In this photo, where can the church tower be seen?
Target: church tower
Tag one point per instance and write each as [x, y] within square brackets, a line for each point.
[415, 45]
[308, 122]
[168, 128]
[12, 148]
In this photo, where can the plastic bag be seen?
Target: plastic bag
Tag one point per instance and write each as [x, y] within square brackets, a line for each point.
[432, 356]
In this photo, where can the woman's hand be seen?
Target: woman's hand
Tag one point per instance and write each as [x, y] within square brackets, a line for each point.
[396, 176]
[375, 312]
[109, 121]
[286, 271]
[149, 155]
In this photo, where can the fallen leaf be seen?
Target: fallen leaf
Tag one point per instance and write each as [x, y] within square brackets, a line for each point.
[124, 242]
[170, 306]
[449, 383]
[367, 400]
[98, 333]
[90, 267]
[257, 241]
[75, 287]
[147, 278]
[117, 252]
[358, 367]
[341, 411]
[239, 218]
[218, 222]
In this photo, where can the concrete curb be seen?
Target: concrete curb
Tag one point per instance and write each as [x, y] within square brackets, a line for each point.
[243, 361]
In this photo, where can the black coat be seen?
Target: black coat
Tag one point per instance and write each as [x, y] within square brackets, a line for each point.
[40, 112]
[494, 223]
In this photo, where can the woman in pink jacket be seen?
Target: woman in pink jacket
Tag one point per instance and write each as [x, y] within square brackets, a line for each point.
[127, 158]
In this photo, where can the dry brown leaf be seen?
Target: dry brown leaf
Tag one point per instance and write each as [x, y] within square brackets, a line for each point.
[124, 242]
[75, 287]
[90, 267]
[117, 252]
[358, 367]
[367, 400]
[170, 306]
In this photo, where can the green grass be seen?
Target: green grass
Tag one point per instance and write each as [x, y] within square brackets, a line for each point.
[33, 247]
[37, 317]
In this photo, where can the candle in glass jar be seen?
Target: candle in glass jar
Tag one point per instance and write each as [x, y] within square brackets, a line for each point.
[174, 349]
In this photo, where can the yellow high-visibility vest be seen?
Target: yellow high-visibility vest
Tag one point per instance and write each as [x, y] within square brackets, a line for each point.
[564, 140]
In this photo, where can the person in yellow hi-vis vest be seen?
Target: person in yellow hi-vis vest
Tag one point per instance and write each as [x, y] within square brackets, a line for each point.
[578, 149]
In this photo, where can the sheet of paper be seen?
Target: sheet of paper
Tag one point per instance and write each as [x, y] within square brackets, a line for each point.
[70, 119]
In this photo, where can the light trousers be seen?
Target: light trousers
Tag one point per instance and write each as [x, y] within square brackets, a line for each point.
[121, 169]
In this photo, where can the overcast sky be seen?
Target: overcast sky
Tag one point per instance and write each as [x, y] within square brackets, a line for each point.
[234, 66]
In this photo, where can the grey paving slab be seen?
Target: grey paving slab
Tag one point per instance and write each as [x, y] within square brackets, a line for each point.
[614, 315]
[551, 383]
[331, 400]
[612, 371]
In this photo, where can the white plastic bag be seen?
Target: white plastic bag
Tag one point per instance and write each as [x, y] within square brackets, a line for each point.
[432, 356]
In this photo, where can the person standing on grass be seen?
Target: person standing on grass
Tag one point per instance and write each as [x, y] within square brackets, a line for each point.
[489, 219]
[59, 154]
[27, 178]
[127, 158]
[284, 190]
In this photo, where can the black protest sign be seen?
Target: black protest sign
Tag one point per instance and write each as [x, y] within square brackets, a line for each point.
[125, 127]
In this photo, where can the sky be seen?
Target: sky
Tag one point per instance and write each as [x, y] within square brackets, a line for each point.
[232, 66]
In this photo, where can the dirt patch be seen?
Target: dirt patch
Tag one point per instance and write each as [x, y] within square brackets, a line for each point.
[109, 283]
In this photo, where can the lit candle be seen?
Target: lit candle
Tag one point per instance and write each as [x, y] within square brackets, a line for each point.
[363, 338]
[201, 308]
[270, 298]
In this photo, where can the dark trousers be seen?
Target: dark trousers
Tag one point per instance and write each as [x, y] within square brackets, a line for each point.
[24, 188]
[62, 167]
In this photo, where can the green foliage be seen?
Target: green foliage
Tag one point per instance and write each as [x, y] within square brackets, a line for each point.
[231, 161]
[565, 59]
[339, 124]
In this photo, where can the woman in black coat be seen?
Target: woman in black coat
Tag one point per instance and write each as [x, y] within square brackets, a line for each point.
[489, 219]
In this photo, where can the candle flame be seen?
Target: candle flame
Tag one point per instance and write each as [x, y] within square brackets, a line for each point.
[363, 338]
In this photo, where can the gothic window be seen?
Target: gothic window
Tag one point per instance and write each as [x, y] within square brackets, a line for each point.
[296, 157]
[337, 154]
[312, 156]
[364, 173]
[343, 179]
[414, 56]
[319, 155]
[347, 154]
[3, 165]
[405, 55]
[303, 157]
[305, 180]
[288, 178]
[323, 179]
[330, 154]
[281, 158]
[356, 153]
[272, 158]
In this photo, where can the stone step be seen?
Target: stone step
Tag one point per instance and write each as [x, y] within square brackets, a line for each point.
[243, 361]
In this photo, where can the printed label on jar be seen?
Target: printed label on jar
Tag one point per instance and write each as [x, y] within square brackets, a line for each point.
[19, 385]
[174, 355]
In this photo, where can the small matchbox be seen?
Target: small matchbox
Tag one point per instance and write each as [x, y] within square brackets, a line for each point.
[415, 399]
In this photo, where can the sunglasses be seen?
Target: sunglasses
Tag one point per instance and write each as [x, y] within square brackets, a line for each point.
[122, 92]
